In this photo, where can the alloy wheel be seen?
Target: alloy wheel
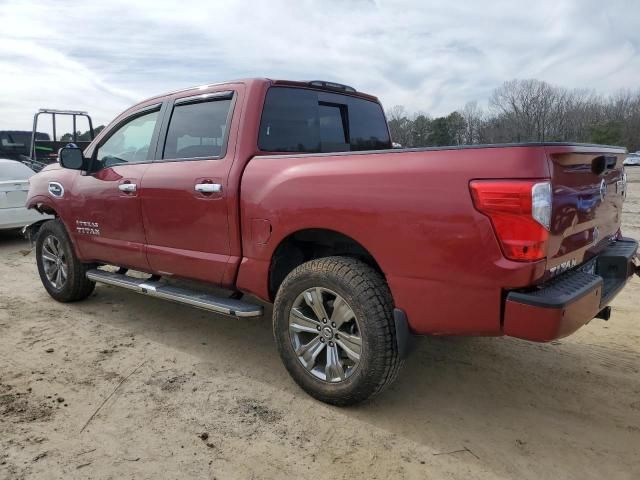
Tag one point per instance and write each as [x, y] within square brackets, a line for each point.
[325, 334]
[54, 261]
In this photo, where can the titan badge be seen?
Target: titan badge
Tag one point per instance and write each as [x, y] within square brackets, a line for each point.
[87, 228]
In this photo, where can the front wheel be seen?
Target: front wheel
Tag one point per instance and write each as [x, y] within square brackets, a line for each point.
[62, 274]
[333, 325]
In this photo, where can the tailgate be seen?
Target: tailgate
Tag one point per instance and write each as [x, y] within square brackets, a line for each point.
[588, 192]
[13, 193]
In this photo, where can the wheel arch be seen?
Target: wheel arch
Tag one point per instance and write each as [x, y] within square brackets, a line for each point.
[42, 204]
[308, 244]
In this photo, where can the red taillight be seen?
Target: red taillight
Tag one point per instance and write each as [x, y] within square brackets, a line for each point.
[519, 211]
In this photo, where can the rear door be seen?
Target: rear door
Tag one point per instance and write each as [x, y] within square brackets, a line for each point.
[588, 193]
[184, 192]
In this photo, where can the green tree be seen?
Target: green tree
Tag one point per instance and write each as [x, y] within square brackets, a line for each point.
[81, 136]
[420, 130]
[457, 127]
[608, 133]
[440, 134]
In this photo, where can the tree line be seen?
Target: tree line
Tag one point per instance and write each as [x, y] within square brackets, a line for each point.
[527, 111]
[82, 136]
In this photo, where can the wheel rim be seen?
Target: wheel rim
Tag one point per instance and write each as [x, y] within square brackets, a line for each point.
[325, 334]
[54, 261]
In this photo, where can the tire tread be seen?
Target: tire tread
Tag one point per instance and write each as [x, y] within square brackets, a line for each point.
[372, 291]
[79, 286]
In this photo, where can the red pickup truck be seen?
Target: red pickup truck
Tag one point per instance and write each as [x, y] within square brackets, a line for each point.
[290, 192]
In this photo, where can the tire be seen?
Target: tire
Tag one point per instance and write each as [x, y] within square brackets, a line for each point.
[337, 281]
[62, 274]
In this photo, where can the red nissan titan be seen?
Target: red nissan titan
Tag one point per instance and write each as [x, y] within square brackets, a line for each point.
[290, 193]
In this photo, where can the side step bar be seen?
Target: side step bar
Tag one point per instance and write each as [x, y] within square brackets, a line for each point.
[206, 301]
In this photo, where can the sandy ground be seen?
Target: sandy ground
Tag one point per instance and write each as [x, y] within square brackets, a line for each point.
[207, 397]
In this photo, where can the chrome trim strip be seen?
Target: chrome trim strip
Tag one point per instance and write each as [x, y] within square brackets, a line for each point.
[225, 306]
[147, 288]
[205, 97]
[111, 279]
[127, 187]
[208, 187]
[193, 302]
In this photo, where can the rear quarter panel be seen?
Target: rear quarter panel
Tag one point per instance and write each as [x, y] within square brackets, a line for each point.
[411, 210]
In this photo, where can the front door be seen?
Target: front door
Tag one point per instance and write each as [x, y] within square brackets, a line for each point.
[107, 216]
[184, 192]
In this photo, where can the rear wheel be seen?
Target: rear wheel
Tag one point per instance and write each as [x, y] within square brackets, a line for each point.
[333, 324]
[62, 274]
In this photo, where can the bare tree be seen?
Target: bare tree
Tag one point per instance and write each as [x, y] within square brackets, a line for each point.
[473, 118]
[399, 125]
[529, 110]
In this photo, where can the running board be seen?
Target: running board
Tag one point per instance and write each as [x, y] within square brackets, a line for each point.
[206, 301]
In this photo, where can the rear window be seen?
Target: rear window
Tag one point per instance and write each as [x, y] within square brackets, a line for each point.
[310, 121]
[14, 171]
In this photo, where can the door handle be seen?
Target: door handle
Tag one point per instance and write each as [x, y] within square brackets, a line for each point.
[208, 187]
[127, 187]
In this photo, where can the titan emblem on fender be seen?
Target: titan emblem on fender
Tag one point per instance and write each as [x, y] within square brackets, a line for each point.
[56, 189]
[87, 228]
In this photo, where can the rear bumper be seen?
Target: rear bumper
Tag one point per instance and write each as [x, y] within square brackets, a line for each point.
[560, 306]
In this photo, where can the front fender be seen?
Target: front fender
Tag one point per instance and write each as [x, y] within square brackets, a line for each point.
[31, 232]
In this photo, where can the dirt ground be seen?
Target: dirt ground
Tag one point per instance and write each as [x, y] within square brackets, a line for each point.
[206, 397]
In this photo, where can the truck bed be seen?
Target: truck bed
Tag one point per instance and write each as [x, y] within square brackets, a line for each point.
[412, 210]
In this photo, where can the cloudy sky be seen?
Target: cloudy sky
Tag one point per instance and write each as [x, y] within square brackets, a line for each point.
[430, 56]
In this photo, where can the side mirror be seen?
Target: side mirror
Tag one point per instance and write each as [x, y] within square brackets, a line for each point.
[71, 157]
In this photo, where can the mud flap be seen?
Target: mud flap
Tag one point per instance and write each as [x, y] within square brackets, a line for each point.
[404, 337]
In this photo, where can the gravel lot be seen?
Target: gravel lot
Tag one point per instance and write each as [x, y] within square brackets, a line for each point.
[203, 397]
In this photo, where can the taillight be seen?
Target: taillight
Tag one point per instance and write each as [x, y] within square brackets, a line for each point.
[520, 212]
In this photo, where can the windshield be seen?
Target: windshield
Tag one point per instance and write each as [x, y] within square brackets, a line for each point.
[312, 121]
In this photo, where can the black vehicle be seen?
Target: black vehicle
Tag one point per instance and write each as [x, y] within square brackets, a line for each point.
[16, 144]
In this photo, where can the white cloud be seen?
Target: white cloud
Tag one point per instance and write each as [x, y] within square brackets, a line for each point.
[427, 55]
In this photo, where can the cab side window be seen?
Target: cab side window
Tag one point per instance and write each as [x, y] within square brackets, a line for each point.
[197, 130]
[312, 121]
[130, 143]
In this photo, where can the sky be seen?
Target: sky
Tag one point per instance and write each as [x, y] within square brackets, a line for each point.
[429, 56]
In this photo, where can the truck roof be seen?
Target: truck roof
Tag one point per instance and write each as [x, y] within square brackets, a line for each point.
[314, 84]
